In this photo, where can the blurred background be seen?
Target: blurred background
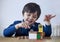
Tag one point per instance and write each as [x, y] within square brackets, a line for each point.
[11, 10]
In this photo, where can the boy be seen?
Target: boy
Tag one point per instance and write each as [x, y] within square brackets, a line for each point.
[31, 13]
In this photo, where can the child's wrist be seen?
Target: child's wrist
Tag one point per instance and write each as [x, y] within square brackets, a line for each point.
[47, 22]
[16, 26]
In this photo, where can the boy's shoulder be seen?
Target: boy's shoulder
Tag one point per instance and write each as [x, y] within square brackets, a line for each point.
[17, 21]
[36, 23]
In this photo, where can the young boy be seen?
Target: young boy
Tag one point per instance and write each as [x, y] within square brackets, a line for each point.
[31, 13]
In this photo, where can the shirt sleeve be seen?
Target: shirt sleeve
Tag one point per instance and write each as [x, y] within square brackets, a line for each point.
[47, 30]
[10, 30]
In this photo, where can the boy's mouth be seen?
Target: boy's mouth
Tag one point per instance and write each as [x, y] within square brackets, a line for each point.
[29, 22]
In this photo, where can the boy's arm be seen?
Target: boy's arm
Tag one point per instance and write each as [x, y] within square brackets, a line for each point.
[8, 32]
[47, 29]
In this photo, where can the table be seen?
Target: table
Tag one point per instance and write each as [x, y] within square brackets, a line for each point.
[13, 39]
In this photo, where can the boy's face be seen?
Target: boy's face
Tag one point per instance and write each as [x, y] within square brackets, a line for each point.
[30, 18]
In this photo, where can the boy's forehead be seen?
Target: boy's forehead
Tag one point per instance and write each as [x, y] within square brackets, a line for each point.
[35, 13]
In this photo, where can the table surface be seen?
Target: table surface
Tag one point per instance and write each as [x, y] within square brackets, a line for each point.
[13, 39]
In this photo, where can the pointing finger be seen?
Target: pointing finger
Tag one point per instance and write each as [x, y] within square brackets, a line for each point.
[53, 16]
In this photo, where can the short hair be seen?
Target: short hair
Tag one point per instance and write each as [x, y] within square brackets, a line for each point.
[32, 8]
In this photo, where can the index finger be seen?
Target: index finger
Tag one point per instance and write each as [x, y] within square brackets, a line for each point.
[53, 16]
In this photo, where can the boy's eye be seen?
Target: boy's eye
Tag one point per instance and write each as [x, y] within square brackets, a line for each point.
[34, 17]
[28, 15]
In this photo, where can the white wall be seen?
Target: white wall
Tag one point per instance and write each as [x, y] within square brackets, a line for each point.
[11, 10]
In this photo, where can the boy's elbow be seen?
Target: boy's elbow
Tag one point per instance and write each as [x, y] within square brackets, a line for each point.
[6, 34]
[48, 34]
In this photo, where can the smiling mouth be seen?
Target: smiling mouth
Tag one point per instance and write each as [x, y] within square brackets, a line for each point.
[29, 22]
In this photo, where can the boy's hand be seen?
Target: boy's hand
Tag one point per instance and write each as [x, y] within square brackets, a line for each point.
[23, 24]
[48, 17]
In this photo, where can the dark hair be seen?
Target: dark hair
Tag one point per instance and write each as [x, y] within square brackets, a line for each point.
[32, 8]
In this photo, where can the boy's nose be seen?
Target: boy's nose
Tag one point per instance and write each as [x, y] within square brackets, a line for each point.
[31, 18]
